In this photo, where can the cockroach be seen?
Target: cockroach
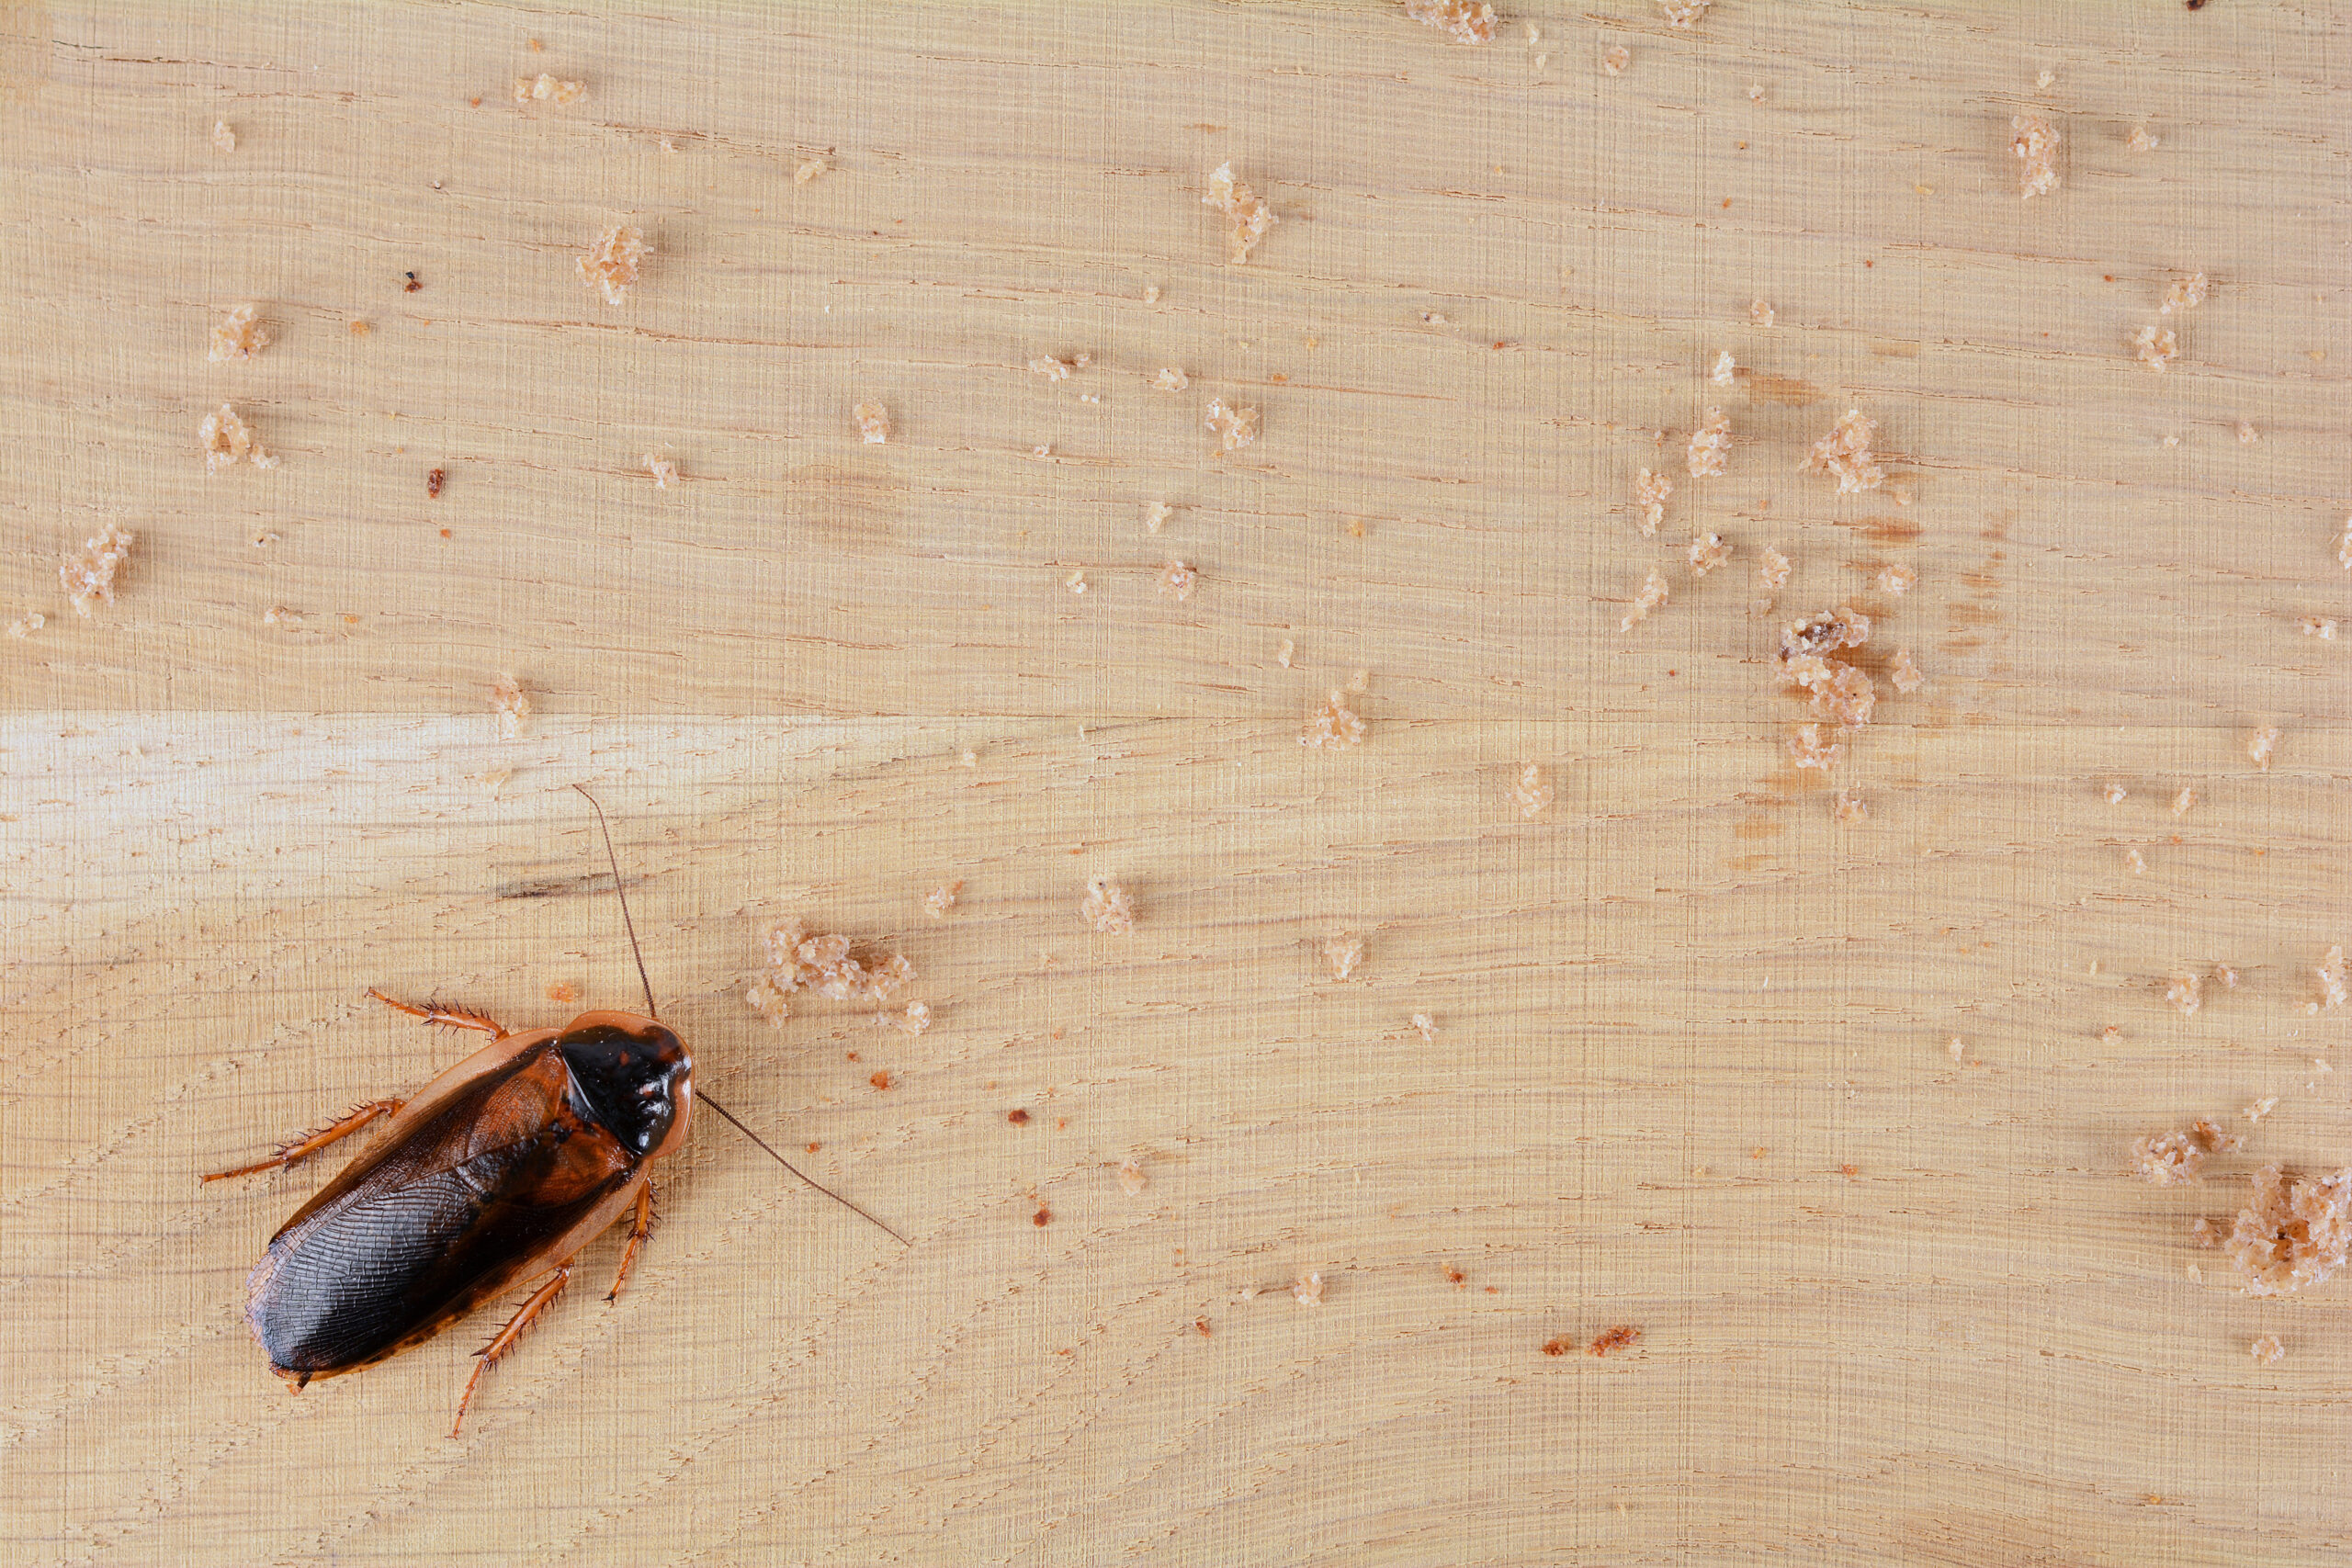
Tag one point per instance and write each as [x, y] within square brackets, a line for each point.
[496, 1172]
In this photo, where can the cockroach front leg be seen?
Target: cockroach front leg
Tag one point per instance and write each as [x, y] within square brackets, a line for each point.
[434, 1012]
[639, 1227]
[541, 1299]
[348, 1124]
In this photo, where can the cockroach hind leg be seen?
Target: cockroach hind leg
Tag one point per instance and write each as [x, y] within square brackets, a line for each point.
[489, 1354]
[434, 1012]
[350, 1121]
[640, 1226]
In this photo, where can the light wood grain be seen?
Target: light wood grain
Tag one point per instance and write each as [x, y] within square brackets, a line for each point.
[1690, 1066]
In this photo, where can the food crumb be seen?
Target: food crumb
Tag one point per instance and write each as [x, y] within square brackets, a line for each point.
[1235, 427]
[1018, 1116]
[1684, 13]
[1283, 651]
[1613, 1340]
[2323, 630]
[1533, 795]
[1724, 370]
[1170, 379]
[228, 440]
[2206, 1234]
[913, 1020]
[767, 998]
[2157, 348]
[611, 264]
[1956, 1048]
[1157, 515]
[2260, 1109]
[2330, 978]
[546, 89]
[1041, 450]
[2260, 745]
[238, 334]
[2168, 1160]
[26, 625]
[1897, 579]
[2116, 795]
[2187, 993]
[1343, 953]
[873, 422]
[1151, 294]
[809, 168]
[433, 481]
[2184, 800]
[2267, 1349]
[2248, 435]
[1557, 1346]
[1711, 443]
[1177, 579]
[1650, 493]
[1107, 907]
[1652, 595]
[360, 329]
[1247, 211]
[2137, 861]
[1707, 552]
[2226, 976]
[941, 898]
[513, 707]
[2293, 1231]
[1043, 1217]
[1846, 453]
[2044, 81]
[1772, 570]
[1425, 1024]
[2036, 146]
[280, 616]
[1615, 58]
[2344, 547]
[1132, 1179]
[1468, 21]
[664, 471]
[2185, 294]
[1759, 312]
[1336, 725]
[831, 964]
[223, 138]
[88, 574]
[1852, 808]
[1809, 750]
[1308, 1290]
[1076, 581]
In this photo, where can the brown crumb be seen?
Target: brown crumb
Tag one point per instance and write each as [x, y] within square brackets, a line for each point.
[1343, 953]
[1846, 453]
[2267, 1349]
[1170, 379]
[1235, 427]
[238, 334]
[1308, 1290]
[88, 574]
[360, 329]
[2116, 795]
[2330, 978]
[563, 991]
[1650, 493]
[227, 440]
[1051, 369]
[2141, 140]
[1043, 1216]
[1454, 1275]
[1336, 725]
[1558, 1347]
[1897, 579]
[2036, 146]
[2157, 347]
[1653, 594]
[873, 422]
[1615, 58]
[611, 264]
[2293, 1231]
[1707, 552]
[2185, 294]
[1683, 13]
[1772, 570]
[1249, 215]
[809, 168]
[2187, 993]
[1809, 750]
[1709, 443]
[223, 138]
[1532, 794]
[2168, 1160]
[941, 898]
[1852, 808]
[1841, 693]
[433, 483]
[2215, 1139]
[2260, 745]
[1469, 21]
[1826, 632]
[1017, 1116]
[1201, 1326]
[1132, 1177]
[513, 707]
[664, 471]
[1177, 581]
[1107, 907]
[545, 88]
[831, 964]
[1615, 1338]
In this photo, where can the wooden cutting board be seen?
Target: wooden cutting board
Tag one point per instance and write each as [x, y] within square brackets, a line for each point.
[1838, 1114]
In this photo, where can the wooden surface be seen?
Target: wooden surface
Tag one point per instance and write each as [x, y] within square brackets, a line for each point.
[1690, 1069]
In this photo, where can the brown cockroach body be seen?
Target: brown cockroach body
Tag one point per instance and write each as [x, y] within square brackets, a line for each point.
[499, 1170]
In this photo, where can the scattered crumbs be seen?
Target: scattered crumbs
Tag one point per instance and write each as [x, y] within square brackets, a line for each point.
[1842, 692]
[1156, 514]
[26, 625]
[2268, 1349]
[1467, 21]
[2293, 1231]
[1151, 294]
[810, 168]
[1533, 795]
[873, 422]
[1170, 379]
[1308, 1290]
[2205, 1234]
[831, 964]
[1235, 427]
[2323, 630]
[2187, 993]
[1558, 1347]
[2168, 1160]
[1132, 1179]
[238, 334]
[1897, 579]
[2137, 861]
[1707, 552]
[2248, 435]
[1425, 1024]
[2330, 978]
[611, 264]
[1615, 58]
[1650, 493]
[228, 439]
[1724, 371]
[1336, 725]
[2184, 800]
[2141, 140]
[513, 707]
[1107, 907]
[1343, 953]
[1248, 214]
[1772, 570]
[88, 573]
[545, 88]
[1178, 580]
[1652, 595]
[2157, 347]
[2117, 794]
[2260, 1109]
[2260, 745]
[1683, 13]
[1615, 1338]
[1760, 312]
[1809, 749]
[1956, 1048]
[664, 471]
[1852, 808]
[1711, 443]
[1051, 369]
[2185, 294]
[1846, 453]
[2036, 146]
[1283, 650]
[1076, 581]
[223, 138]
[941, 898]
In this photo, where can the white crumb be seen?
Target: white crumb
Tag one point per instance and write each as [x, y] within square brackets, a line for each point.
[1710, 444]
[2344, 547]
[1308, 1290]
[1248, 214]
[513, 707]
[2186, 992]
[1724, 370]
[2044, 81]
[2036, 146]
[2117, 794]
[1532, 794]
[223, 138]
[873, 422]
[26, 625]
[2248, 435]
[2293, 1232]
[914, 1021]
[2185, 294]
[1151, 294]
[2260, 1108]
[1132, 1177]
[831, 966]
[1177, 579]
[2184, 800]
[941, 898]
[1235, 427]
[1076, 581]
[228, 440]
[768, 999]
[280, 616]
[1425, 1024]
[1051, 369]
[1852, 808]
[1807, 748]
[1772, 570]
[88, 574]
[1683, 13]
[1336, 725]
[1170, 379]
[1283, 650]
[545, 88]
[1707, 552]
[1343, 953]
[2225, 977]
[1158, 512]
[1653, 594]
[1897, 579]
[1756, 95]
[1615, 58]
[1650, 493]
[1904, 673]
[2141, 140]
[611, 264]
[2157, 347]
[1956, 1048]
[810, 168]
[2260, 745]
[2267, 1349]
[2323, 630]
[2137, 861]
[1759, 312]
[1360, 682]
[1467, 21]
[238, 334]
[1107, 907]
[1846, 453]
[664, 471]
[2330, 978]
[1041, 450]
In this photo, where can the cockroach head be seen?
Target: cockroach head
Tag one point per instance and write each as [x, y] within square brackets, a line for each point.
[632, 1077]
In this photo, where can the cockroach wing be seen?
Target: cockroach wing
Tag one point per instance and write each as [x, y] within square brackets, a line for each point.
[485, 1188]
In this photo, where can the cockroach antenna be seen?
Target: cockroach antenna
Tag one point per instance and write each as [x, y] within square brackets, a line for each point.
[637, 953]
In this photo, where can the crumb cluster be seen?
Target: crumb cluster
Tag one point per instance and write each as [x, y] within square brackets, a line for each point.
[1846, 453]
[941, 900]
[1051, 367]
[2293, 1232]
[1242, 207]
[1707, 552]
[238, 334]
[1772, 570]
[1711, 443]
[1336, 725]
[1235, 427]
[1532, 794]
[2169, 1160]
[2036, 146]
[2186, 992]
[1170, 379]
[88, 573]
[2185, 294]
[831, 966]
[1651, 493]
[611, 264]
[873, 422]
[1653, 594]
[1841, 693]
[545, 88]
[2158, 347]
[1308, 1290]
[1469, 21]
[2267, 1349]
[1107, 907]
[1624, 1333]
[228, 440]
[1177, 579]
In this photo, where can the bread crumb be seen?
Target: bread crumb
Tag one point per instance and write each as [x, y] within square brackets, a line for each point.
[2260, 745]
[941, 898]
[1711, 443]
[2157, 348]
[2225, 977]
[611, 264]
[360, 329]
[1235, 427]
[664, 471]
[1824, 633]
[228, 440]
[1041, 450]
[238, 334]
[26, 625]
[810, 168]
[1558, 1345]
[1956, 1049]
[873, 422]
[913, 1020]
[1650, 493]
[1772, 570]
[1652, 595]
[1107, 907]
[2205, 1234]
[1158, 512]
[223, 138]
[1897, 579]
[1759, 311]
[1308, 1290]
[1177, 579]
[1809, 751]
[1852, 808]
[1343, 953]
[2137, 861]
[1707, 552]
[562, 991]
[1336, 725]
[767, 998]
[2213, 1138]
[2170, 441]
[2168, 1160]
[1283, 650]
[2141, 140]
[2185, 294]
[1615, 58]
[2323, 630]
[1839, 691]
[1533, 795]
[1684, 13]
[1170, 379]
[2248, 435]
[1846, 453]
[546, 88]
[2187, 993]
[88, 574]
[1469, 21]
[1076, 581]
[831, 964]
[513, 707]
[2116, 795]
[1724, 370]
[2330, 978]
[2036, 146]
[2293, 1231]
[1425, 1024]
[2184, 800]
[2267, 1349]
[1249, 215]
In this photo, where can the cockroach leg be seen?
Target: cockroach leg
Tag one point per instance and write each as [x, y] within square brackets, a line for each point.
[639, 1228]
[333, 1130]
[491, 1353]
[434, 1012]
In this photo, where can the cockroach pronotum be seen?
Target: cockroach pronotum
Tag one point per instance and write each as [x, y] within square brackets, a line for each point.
[497, 1171]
